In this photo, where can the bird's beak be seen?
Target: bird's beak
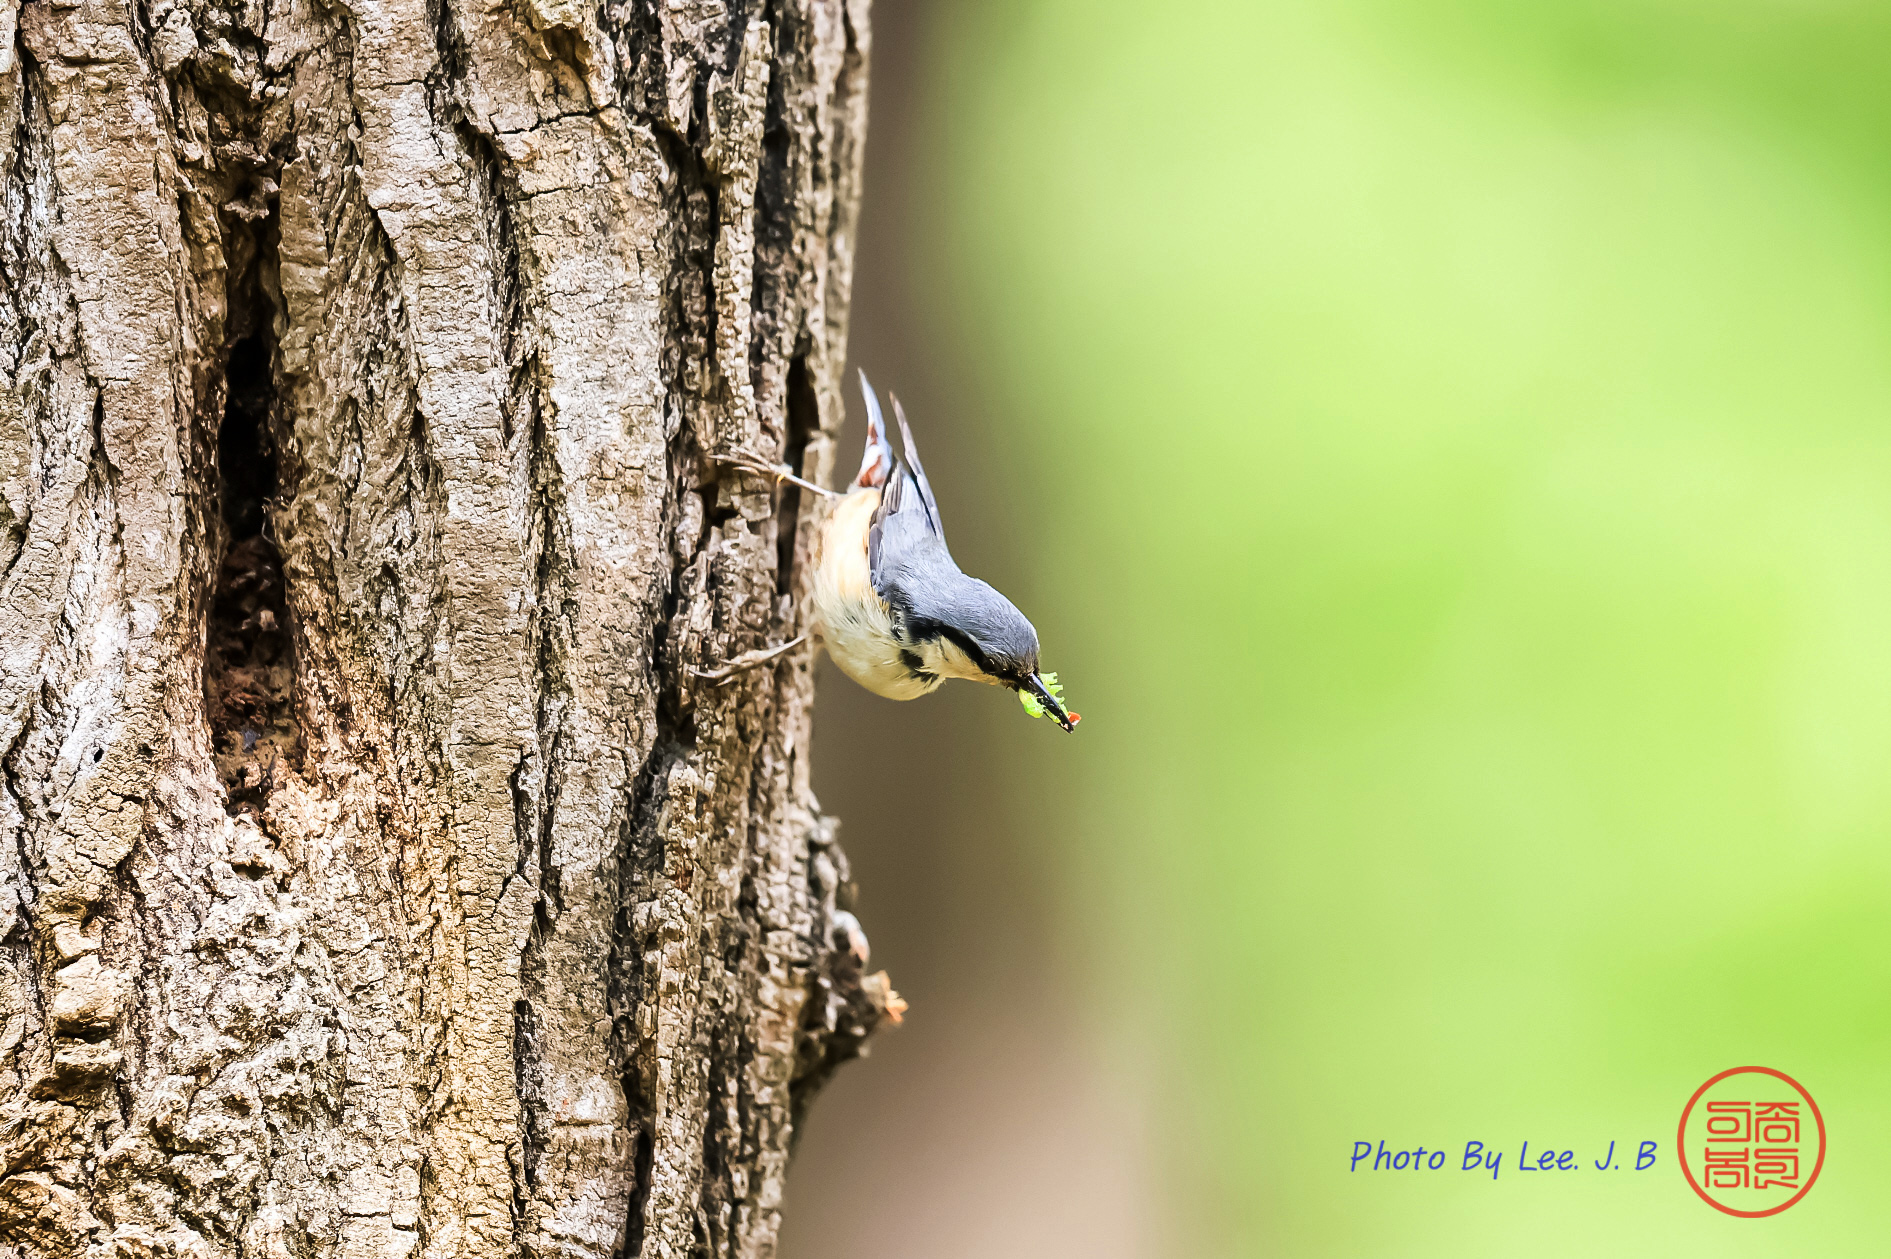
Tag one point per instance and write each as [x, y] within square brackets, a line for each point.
[1035, 685]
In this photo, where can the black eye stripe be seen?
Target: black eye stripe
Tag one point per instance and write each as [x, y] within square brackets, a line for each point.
[927, 631]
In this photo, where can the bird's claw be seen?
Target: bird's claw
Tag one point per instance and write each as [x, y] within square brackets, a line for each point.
[749, 461]
[748, 660]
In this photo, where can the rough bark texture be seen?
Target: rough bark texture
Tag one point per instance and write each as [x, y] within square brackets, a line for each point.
[375, 876]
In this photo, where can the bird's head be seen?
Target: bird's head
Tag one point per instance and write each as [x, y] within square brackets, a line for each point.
[957, 626]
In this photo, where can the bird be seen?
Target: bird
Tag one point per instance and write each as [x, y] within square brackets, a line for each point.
[891, 606]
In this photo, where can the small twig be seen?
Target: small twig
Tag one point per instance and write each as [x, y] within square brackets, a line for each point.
[748, 660]
[752, 462]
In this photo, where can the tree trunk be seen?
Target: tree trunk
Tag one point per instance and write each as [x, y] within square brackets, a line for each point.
[375, 873]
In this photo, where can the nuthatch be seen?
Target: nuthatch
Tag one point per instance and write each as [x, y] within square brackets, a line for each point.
[892, 607]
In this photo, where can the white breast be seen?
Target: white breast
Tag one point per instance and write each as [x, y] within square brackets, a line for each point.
[849, 615]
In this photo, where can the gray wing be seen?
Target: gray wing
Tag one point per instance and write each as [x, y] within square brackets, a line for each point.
[919, 470]
[904, 533]
[905, 537]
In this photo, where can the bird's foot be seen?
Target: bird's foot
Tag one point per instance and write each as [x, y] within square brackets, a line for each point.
[749, 461]
[748, 660]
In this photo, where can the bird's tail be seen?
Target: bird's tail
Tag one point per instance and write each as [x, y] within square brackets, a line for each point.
[877, 464]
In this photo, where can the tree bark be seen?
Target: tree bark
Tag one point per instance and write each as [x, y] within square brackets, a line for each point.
[376, 876]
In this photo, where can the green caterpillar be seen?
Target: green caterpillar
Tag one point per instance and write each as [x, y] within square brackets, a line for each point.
[1030, 701]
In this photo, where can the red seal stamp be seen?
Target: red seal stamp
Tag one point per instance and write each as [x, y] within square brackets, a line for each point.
[1752, 1141]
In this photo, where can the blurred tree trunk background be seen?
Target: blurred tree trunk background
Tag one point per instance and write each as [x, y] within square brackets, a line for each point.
[376, 875]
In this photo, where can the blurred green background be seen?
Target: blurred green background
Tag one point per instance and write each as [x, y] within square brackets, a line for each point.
[1446, 450]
